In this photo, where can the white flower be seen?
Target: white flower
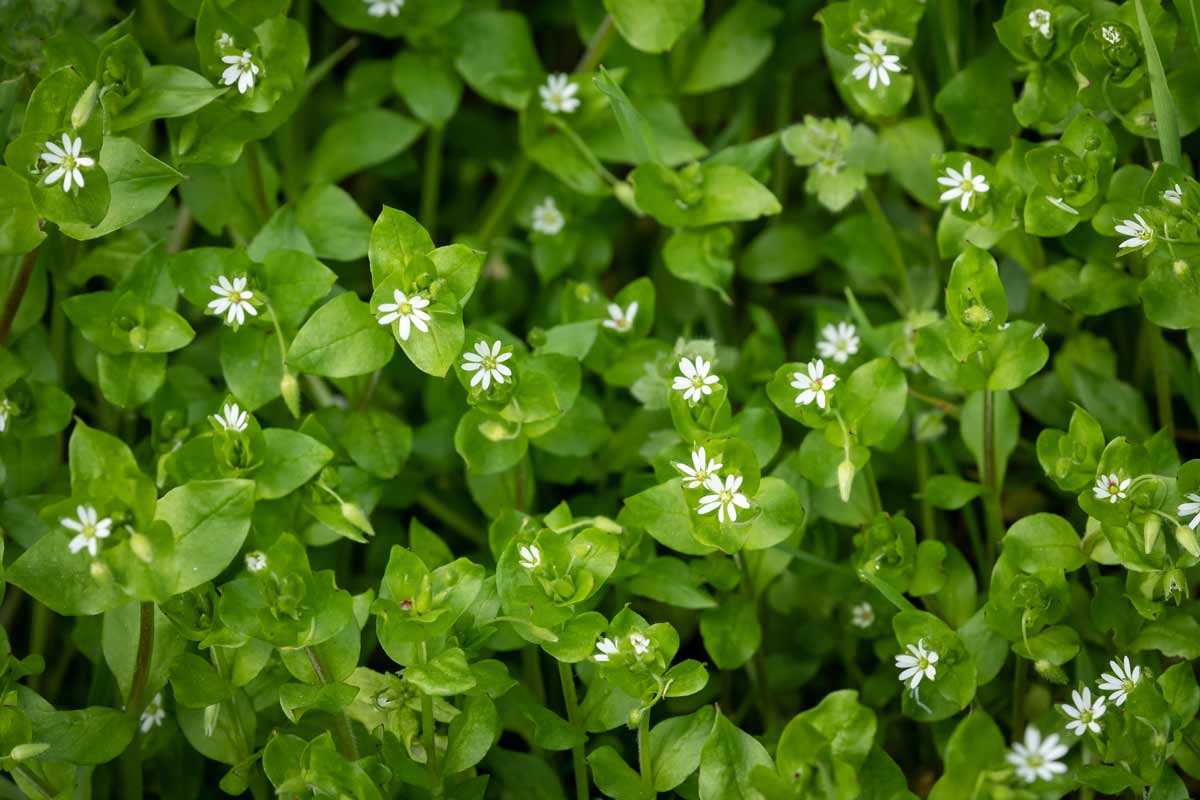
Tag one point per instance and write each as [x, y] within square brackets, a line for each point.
[701, 470]
[547, 219]
[917, 664]
[1111, 34]
[1039, 20]
[558, 94]
[7, 409]
[621, 320]
[1037, 758]
[1084, 713]
[695, 382]
[838, 342]
[1138, 230]
[489, 363]
[875, 64]
[88, 529]
[233, 299]
[862, 615]
[241, 70]
[231, 418]
[407, 310]
[962, 185]
[1185, 509]
[606, 648]
[384, 8]
[1174, 196]
[1061, 204]
[224, 40]
[814, 385]
[641, 644]
[1110, 487]
[531, 556]
[725, 499]
[154, 714]
[256, 561]
[1122, 680]
[66, 161]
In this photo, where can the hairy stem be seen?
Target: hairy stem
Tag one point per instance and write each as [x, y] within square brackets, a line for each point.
[1020, 678]
[429, 737]
[342, 731]
[644, 754]
[431, 179]
[928, 521]
[571, 701]
[141, 665]
[758, 667]
[16, 294]
[994, 517]
[1162, 377]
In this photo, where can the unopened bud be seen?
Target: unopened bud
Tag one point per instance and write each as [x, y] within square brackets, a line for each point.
[138, 338]
[607, 525]
[26, 751]
[1150, 532]
[141, 547]
[1050, 671]
[1186, 537]
[83, 107]
[289, 387]
[624, 194]
[101, 573]
[355, 516]
[976, 316]
[845, 475]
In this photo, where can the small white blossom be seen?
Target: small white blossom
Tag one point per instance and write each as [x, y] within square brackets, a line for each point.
[1190, 508]
[1111, 34]
[66, 162]
[233, 299]
[701, 470]
[7, 409]
[88, 528]
[1121, 681]
[407, 312]
[1037, 758]
[1061, 204]
[1111, 487]
[384, 8]
[558, 94]
[154, 714]
[641, 644]
[241, 70]
[224, 40]
[695, 382]
[605, 649]
[530, 556]
[1138, 230]
[621, 320]
[725, 498]
[256, 561]
[487, 364]
[1174, 195]
[862, 615]
[917, 664]
[547, 219]
[1039, 20]
[1084, 713]
[838, 342]
[963, 186]
[231, 418]
[815, 385]
[874, 64]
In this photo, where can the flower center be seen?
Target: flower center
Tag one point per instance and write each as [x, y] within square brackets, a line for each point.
[726, 496]
[406, 308]
[697, 381]
[236, 297]
[922, 663]
[876, 59]
[967, 187]
[489, 363]
[1114, 488]
[818, 384]
[1034, 760]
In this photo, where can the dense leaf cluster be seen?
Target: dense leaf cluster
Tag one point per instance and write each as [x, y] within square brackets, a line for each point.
[729, 400]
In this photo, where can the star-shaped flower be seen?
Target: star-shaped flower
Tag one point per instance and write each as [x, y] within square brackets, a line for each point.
[233, 299]
[1190, 508]
[256, 561]
[547, 219]
[384, 8]
[838, 342]
[232, 418]
[1139, 231]
[695, 382]
[1111, 487]
[241, 70]
[621, 320]
[640, 643]
[66, 162]
[1174, 195]
[1120, 682]
[963, 186]
[89, 528]
[1039, 20]
[917, 664]
[530, 556]
[874, 64]
[1037, 758]
[862, 615]
[154, 714]
[1084, 712]
[701, 470]
[815, 385]
[487, 364]
[725, 498]
[605, 649]
[407, 312]
[558, 94]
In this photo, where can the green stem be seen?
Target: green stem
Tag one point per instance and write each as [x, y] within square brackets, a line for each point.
[928, 520]
[428, 735]
[45, 791]
[451, 517]
[758, 673]
[1162, 377]
[994, 516]
[254, 164]
[185, 223]
[873, 486]
[342, 731]
[783, 114]
[431, 179]
[571, 701]
[141, 664]
[1018, 699]
[16, 294]
[39, 636]
[644, 760]
[597, 46]
[890, 241]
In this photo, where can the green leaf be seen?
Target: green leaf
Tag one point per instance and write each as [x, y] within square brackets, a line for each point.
[291, 460]
[655, 27]
[442, 676]
[735, 47]
[1044, 541]
[166, 91]
[700, 195]
[359, 141]
[508, 69]
[341, 339]
[334, 224]
[729, 761]
[676, 745]
[209, 521]
[1166, 116]
[138, 183]
[19, 228]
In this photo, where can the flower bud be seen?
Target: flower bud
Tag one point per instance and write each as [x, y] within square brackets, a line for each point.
[141, 547]
[26, 751]
[289, 387]
[1175, 585]
[635, 716]
[1150, 531]
[1186, 537]
[845, 476]
[624, 194]
[138, 338]
[977, 316]
[83, 107]
[101, 573]
[1050, 672]
[607, 525]
[355, 516]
